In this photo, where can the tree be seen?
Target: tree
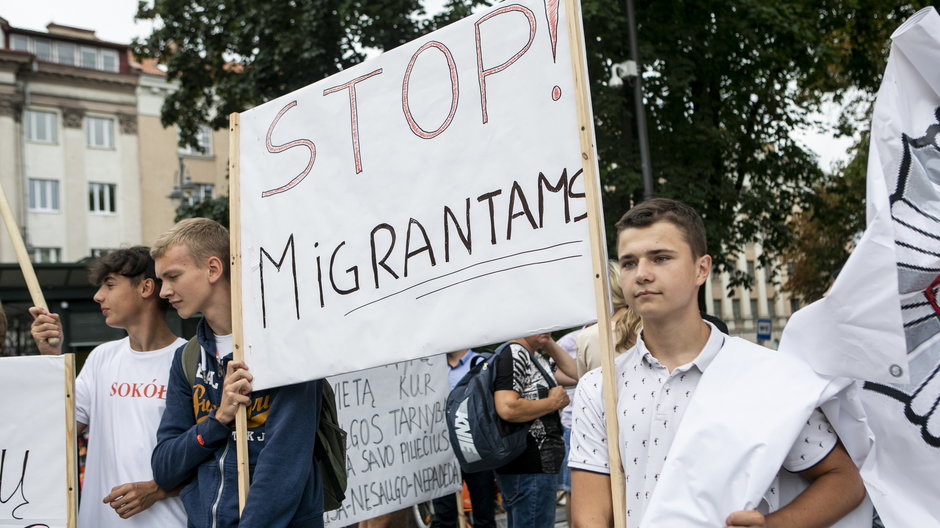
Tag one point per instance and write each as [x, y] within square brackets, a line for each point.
[230, 55]
[726, 84]
[826, 233]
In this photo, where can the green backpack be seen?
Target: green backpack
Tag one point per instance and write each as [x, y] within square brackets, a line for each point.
[329, 450]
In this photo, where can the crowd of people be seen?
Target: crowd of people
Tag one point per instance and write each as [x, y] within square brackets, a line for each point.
[167, 457]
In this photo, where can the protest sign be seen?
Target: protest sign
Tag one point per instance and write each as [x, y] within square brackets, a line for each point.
[37, 442]
[398, 450]
[881, 322]
[426, 200]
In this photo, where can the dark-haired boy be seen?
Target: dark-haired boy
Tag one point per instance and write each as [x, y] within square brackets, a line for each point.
[663, 257]
[120, 395]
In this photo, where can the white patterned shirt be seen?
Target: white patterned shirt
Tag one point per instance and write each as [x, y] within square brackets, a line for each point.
[651, 402]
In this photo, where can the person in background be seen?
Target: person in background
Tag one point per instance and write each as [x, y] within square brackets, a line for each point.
[120, 395]
[625, 325]
[481, 484]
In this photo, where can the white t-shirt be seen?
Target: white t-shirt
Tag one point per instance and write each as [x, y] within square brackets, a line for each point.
[120, 394]
[651, 403]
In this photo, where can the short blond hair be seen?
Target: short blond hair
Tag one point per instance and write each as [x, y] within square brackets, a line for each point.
[203, 237]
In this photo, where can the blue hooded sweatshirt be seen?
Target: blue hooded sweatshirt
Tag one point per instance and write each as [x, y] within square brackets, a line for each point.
[198, 452]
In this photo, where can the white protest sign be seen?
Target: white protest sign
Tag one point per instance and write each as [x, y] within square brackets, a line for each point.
[427, 200]
[34, 478]
[398, 452]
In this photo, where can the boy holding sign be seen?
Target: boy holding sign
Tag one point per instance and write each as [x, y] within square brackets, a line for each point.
[662, 254]
[120, 395]
[196, 440]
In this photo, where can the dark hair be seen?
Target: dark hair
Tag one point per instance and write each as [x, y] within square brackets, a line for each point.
[135, 263]
[675, 212]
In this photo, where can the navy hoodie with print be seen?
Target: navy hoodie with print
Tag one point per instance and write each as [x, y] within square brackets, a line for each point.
[196, 451]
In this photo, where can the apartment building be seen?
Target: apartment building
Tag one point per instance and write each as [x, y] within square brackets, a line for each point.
[69, 150]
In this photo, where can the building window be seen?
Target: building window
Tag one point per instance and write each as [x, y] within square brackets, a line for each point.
[41, 127]
[750, 268]
[794, 304]
[43, 195]
[109, 60]
[43, 49]
[19, 42]
[204, 142]
[716, 307]
[99, 132]
[89, 57]
[736, 309]
[46, 255]
[101, 197]
[771, 307]
[65, 53]
[754, 307]
[100, 252]
[200, 192]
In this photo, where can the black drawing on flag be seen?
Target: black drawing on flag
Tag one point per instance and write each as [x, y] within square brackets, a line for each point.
[915, 210]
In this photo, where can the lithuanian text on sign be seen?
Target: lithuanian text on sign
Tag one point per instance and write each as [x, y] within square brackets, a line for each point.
[398, 450]
[426, 200]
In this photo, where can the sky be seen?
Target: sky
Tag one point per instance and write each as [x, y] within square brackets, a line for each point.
[113, 20]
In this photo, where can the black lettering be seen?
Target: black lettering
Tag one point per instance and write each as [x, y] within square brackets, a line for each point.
[517, 191]
[465, 238]
[421, 249]
[388, 253]
[572, 194]
[354, 270]
[489, 198]
[277, 265]
[562, 185]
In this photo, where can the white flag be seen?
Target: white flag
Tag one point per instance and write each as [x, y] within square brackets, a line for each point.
[881, 322]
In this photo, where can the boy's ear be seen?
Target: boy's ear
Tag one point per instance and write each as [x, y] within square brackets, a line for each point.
[147, 287]
[703, 268]
[215, 267]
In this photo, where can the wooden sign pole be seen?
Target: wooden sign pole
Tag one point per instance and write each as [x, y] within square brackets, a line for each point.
[71, 442]
[238, 338]
[599, 253]
[26, 265]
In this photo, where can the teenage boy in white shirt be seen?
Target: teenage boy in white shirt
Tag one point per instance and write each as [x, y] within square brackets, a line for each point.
[120, 395]
[662, 253]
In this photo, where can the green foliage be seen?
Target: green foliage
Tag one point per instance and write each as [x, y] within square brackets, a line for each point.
[231, 55]
[726, 83]
[212, 208]
[826, 232]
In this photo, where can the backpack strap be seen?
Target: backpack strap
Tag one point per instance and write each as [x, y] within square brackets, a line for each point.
[190, 360]
[548, 378]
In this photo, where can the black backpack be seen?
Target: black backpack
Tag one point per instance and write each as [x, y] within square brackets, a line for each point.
[482, 440]
[329, 450]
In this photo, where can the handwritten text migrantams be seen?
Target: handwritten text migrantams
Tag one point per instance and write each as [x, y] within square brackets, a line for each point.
[427, 200]
[398, 451]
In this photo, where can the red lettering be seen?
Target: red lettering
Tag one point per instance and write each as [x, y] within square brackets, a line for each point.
[454, 90]
[275, 149]
[483, 73]
[354, 111]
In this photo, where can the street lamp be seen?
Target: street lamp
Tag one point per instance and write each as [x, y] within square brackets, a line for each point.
[184, 184]
[631, 69]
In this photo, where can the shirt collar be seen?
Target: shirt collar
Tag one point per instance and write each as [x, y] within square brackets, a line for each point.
[716, 340]
[466, 357]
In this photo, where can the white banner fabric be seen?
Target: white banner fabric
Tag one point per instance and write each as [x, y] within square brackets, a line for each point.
[881, 321]
[33, 476]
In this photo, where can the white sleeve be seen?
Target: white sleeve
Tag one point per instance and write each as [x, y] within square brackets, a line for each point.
[816, 440]
[588, 428]
[84, 389]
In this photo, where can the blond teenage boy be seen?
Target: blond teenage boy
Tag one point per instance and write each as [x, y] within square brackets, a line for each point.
[196, 441]
[662, 253]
